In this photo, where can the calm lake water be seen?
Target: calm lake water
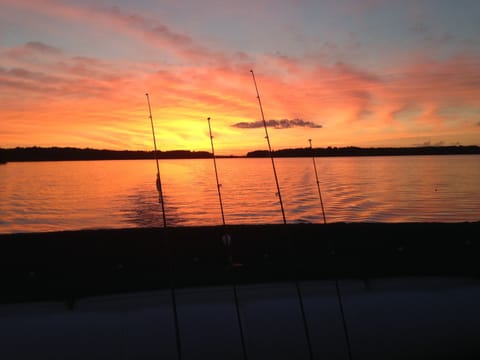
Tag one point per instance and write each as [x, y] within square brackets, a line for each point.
[47, 196]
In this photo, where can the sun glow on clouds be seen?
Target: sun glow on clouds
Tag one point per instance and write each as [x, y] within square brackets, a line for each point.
[56, 93]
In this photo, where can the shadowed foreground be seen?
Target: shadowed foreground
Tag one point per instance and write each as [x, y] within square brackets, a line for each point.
[73, 264]
[335, 291]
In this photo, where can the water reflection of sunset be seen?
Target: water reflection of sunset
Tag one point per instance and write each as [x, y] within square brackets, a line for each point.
[111, 194]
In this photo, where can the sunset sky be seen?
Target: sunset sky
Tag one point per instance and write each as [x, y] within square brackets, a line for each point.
[341, 72]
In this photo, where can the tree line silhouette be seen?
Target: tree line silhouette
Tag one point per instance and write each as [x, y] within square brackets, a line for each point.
[69, 153]
[358, 151]
[36, 153]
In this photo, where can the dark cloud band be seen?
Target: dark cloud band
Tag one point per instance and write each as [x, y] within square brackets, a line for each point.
[278, 124]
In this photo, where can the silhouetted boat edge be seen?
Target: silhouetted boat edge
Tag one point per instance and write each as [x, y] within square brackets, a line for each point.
[270, 252]
[368, 290]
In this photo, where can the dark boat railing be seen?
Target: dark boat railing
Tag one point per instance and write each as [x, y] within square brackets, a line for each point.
[90, 262]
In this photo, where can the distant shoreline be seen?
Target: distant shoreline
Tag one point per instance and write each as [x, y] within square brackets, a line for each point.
[23, 154]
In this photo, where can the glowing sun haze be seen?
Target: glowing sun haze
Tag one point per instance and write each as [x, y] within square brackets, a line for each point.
[343, 73]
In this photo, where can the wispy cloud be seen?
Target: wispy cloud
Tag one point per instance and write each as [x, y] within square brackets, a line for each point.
[57, 74]
[32, 48]
[278, 124]
[148, 30]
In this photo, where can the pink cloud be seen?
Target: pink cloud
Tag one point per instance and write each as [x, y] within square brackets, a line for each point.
[32, 48]
[40, 81]
[148, 30]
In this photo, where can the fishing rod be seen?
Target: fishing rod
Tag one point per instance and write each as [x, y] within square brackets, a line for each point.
[318, 182]
[297, 284]
[269, 148]
[169, 250]
[337, 284]
[216, 172]
[227, 241]
[158, 181]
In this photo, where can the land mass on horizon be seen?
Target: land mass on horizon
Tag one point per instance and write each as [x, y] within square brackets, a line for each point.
[35, 153]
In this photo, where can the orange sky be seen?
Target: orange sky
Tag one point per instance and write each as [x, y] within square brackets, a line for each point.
[75, 73]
